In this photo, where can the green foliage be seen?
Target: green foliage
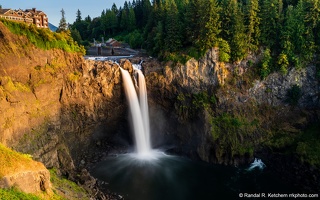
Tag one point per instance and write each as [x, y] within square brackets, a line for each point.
[167, 28]
[190, 104]
[271, 14]
[44, 38]
[172, 40]
[283, 63]
[203, 100]
[305, 145]
[69, 187]
[210, 30]
[297, 39]
[224, 50]
[134, 39]
[10, 86]
[14, 194]
[308, 147]
[233, 28]
[265, 66]
[293, 95]
[232, 134]
[253, 24]
[176, 57]
[75, 34]
[75, 76]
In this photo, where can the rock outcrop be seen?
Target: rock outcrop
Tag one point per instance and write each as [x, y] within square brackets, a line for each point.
[175, 89]
[56, 106]
[36, 181]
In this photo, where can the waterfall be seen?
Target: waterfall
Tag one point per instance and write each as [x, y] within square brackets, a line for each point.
[143, 100]
[139, 111]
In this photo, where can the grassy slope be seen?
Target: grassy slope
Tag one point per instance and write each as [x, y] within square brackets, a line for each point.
[13, 162]
[44, 38]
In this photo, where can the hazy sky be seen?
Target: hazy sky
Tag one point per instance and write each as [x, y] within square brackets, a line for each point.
[53, 7]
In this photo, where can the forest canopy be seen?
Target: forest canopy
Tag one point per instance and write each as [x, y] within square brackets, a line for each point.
[288, 31]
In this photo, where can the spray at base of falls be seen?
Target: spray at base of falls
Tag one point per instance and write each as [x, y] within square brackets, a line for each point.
[257, 163]
[139, 112]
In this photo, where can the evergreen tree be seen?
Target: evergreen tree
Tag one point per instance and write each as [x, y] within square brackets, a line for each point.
[297, 39]
[193, 23]
[78, 18]
[146, 10]
[111, 22]
[124, 17]
[131, 20]
[266, 63]
[63, 23]
[172, 27]
[252, 24]
[154, 30]
[104, 22]
[271, 19]
[75, 34]
[114, 8]
[88, 19]
[234, 29]
[157, 39]
[312, 21]
[211, 25]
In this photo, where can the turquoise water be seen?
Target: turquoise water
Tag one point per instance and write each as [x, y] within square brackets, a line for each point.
[175, 178]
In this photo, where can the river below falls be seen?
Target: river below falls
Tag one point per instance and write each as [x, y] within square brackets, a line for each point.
[177, 178]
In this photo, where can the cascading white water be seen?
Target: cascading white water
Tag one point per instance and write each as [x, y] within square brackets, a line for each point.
[143, 100]
[139, 111]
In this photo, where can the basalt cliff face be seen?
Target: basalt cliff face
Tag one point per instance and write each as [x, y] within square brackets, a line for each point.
[223, 113]
[176, 88]
[55, 105]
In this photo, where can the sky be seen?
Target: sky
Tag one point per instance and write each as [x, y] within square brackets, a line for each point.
[53, 7]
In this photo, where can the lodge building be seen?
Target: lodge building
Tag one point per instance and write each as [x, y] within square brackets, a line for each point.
[29, 16]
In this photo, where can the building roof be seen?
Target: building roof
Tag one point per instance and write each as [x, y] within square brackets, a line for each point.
[3, 11]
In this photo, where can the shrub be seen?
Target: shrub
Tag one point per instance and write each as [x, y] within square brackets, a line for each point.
[283, 63]
[233, 134]
[293, 95]
[224, 50]
[44, 38]
[265, 67]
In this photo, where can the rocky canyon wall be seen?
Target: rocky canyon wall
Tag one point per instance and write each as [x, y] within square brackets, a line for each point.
[196, 95]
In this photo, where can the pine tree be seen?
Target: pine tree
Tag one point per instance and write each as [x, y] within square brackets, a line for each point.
[146, 10]
[312, 21]
[88, 19]
[75, 34]
[297, 38]
[111, 21]
[131, 20]
[211, 25]
[234, 29]
[78, 18]
[271, 19]
[124, 19]
[63, 23]
[193, 24]
[172, 27]
[252, 24]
